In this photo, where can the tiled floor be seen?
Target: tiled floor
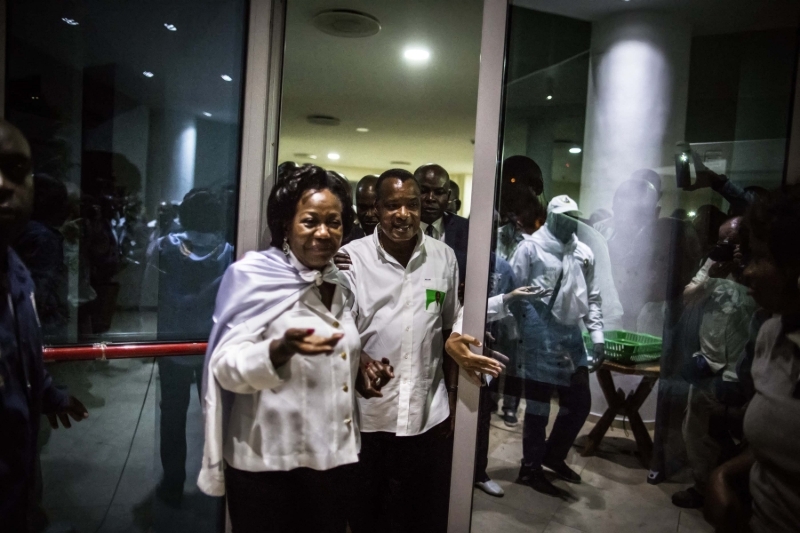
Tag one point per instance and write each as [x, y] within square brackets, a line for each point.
[613, 497]
[100, 476]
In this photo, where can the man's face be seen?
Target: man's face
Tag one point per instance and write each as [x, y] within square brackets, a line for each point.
[16, 180]
[367, 211]
[399, 209]
[435, 193]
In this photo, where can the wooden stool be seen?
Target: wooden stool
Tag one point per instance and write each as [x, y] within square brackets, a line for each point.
[629, 406]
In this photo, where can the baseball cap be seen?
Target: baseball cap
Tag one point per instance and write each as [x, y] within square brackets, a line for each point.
[563, 204]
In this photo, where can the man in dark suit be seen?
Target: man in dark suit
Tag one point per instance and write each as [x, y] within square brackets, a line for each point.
[436, 222]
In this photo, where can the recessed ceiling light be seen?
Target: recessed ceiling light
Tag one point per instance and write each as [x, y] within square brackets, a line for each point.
[312, 157]
[362, 130]
[148, 74]
[71, 22]
[206, 113]
[333, 156]
[691, 214]
[416, 55]
[226, 77]
[549, 96]
[170, 27]
[575, 150]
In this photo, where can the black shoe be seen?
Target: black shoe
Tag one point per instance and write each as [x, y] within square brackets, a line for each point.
[170, 494]
[688, 499]
[563, 471]
[654, 477]
[509, 418]
[535, 479]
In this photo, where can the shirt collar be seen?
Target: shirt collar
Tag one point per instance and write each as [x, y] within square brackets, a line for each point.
[437, 224]
[421, 238]
[329, 273]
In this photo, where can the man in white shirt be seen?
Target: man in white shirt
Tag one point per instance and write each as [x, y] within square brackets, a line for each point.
[405, 286]
[552, 350]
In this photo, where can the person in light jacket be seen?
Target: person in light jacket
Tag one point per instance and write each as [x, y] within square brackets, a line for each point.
[283, 363]
[552, 351]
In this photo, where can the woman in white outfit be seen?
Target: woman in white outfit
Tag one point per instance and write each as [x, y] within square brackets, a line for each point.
[283, 363]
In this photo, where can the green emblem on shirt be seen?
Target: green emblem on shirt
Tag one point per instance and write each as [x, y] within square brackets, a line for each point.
[434, 296]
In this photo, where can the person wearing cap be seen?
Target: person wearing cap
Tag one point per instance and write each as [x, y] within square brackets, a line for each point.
[552, 352]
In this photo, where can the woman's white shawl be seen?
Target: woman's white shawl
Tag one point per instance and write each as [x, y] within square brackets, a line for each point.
[254, 291]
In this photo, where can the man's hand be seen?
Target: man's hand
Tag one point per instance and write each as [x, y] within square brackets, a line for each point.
[372, 376]
[598, 357]
[457, 347]
[531, 293]
[74, 409]
[704, 177]
[342, 261]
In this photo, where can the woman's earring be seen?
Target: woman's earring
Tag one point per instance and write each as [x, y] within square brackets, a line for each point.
[285, 246]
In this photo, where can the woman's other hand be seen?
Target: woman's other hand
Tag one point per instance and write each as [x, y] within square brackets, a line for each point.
[302, 342]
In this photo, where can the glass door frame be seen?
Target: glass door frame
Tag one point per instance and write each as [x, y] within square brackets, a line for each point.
[487, 158]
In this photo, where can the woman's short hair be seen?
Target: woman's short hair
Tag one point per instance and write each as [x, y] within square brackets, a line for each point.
[774, 220]
[282, 203]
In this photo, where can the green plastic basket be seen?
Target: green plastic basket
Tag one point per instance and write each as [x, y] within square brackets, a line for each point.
[628, 348]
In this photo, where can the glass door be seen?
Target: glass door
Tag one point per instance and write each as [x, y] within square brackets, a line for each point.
[633, 145]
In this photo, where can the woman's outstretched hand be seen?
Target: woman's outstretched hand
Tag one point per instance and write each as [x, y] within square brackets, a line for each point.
[301, 342]
[372, 376]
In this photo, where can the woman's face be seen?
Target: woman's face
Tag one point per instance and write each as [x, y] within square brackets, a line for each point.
[315, 232]
[770, 286]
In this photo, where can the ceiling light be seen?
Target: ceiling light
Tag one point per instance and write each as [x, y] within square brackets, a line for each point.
[549, 96]
[333, 156]
[575, 150]
[312, 157]
[416, 55]
[362, 130]
[148, 74]
[226, 77]
[206, 113]
[71, 22]
[691, 214]
[170, 27]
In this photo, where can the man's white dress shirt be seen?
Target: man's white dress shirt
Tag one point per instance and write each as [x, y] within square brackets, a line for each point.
[401, 313]
[304, 413]
[437, 231]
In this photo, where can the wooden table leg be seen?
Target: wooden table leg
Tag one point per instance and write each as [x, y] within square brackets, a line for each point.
[615, 400]
[633, 403]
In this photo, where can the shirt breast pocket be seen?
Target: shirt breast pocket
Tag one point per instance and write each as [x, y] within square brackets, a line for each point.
[435, 293]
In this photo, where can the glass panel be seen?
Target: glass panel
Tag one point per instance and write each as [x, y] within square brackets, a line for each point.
[128, 110]
[132, 111]
[631, 143]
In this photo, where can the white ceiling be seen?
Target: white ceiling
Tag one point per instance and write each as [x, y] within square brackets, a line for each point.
[705, 16]
[416, 114]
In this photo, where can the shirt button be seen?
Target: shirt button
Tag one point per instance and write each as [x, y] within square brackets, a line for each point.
[345, 388]
[344, 355]
[405, 356]
[335, 324]
[407, 328]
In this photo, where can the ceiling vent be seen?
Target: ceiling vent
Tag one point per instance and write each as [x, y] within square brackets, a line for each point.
[402, 163]
[347, 23]
[323, 120]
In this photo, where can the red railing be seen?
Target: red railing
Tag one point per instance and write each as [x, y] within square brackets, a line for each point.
[122, 351]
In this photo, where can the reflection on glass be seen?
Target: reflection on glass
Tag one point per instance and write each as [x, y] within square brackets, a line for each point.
[639, 149]
[135, 141]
